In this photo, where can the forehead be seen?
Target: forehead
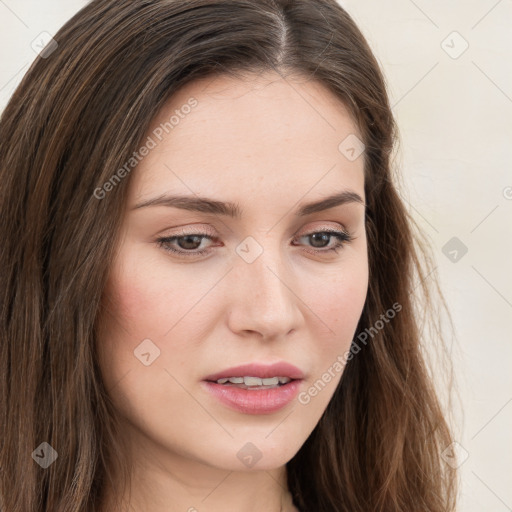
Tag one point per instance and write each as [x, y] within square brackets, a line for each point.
[232, 135]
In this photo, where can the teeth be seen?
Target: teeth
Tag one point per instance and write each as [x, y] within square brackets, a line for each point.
[255, 381]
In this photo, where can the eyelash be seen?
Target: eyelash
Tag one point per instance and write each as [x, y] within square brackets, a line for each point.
[342, 238]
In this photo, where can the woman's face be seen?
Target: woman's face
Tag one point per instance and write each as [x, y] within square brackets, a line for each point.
[259, 293]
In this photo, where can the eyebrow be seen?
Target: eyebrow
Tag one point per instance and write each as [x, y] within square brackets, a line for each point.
[206, 205]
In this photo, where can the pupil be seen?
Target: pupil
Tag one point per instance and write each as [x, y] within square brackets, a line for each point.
[187, 240]
[315, 237]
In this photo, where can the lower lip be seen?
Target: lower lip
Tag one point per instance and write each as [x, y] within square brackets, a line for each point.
[254, 401]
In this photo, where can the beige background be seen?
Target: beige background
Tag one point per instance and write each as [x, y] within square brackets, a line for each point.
[454, 108]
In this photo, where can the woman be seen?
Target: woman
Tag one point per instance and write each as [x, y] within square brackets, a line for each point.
[208, 296]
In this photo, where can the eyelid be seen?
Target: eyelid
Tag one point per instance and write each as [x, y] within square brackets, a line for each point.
[319, 226]
[203, 229]
[342, 236]
[207, 230]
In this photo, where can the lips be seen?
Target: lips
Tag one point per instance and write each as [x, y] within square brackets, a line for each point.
[254, 401]
[264, 371]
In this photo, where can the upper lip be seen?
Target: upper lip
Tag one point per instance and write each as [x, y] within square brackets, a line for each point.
[279, 369]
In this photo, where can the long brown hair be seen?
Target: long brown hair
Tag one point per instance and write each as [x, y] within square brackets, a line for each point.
[79, 113]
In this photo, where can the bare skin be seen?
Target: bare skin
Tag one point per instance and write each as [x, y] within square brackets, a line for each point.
[270, 145]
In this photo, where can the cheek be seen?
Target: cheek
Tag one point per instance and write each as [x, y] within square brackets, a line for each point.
[145, 300]
[131, 313]
[148, 292]
[138, 302]
[339, 303]
[337, 308]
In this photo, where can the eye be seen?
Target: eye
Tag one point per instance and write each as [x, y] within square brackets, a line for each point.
[322, 239]
[188, 244]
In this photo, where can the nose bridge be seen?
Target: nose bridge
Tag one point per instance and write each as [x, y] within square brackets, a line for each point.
[264, 301]
[267, 276]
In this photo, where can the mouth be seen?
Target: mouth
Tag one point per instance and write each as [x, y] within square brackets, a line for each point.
[253, 382]
[256, 388]
[254, 399]
[258, 374]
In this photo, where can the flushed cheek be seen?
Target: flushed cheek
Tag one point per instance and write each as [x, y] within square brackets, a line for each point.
[165, 311]
[151, 298]
[350, 302]
[339, 308]
[340, 300]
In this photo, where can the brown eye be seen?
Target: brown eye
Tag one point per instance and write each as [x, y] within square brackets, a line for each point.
[184, 244]
[188, 244]
[321, 239]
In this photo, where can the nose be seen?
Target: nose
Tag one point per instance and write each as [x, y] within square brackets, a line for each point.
[264, 297]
